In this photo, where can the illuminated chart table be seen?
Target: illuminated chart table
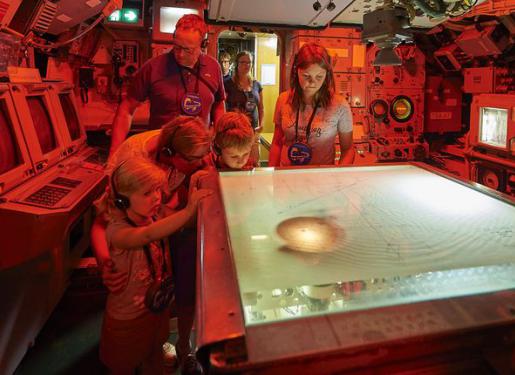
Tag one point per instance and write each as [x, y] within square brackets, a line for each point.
[338, 263]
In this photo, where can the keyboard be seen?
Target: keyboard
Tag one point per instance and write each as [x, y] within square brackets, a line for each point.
[48, 196]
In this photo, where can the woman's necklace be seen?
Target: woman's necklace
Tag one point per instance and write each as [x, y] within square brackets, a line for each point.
[244, 83]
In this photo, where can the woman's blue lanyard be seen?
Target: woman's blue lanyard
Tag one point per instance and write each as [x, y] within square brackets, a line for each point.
[308, 128]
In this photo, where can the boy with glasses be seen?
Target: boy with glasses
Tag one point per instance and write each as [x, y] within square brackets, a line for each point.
[225, 62]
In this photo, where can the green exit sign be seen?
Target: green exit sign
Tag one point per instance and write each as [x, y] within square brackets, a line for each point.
[124, 15]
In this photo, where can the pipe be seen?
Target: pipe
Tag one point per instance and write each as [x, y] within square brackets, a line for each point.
[503, 162]
[11, 31]
[437, 11]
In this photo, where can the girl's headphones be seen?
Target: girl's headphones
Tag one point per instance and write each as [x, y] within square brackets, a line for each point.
[166, 151]
[120, 201]
[169, 150]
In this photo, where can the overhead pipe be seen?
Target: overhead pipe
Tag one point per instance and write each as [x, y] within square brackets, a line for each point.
[437, 11]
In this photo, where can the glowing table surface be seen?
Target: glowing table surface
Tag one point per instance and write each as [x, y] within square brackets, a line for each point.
[400, 234]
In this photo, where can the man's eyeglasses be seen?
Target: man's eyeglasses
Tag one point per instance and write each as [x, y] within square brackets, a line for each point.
[244, 62]
[179, 48]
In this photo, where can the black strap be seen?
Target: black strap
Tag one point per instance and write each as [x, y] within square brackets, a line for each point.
[198, 75]
[146, 250]
[84, 94]
[208, 84]
[308, 128]
[197, 79]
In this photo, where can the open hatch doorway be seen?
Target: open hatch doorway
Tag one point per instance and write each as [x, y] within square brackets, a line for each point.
[266, 69]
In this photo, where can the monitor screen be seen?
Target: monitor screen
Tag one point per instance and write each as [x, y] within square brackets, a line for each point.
[493, 126]
[70, 115]
[9, 150]
[42, 124]
[166, 17]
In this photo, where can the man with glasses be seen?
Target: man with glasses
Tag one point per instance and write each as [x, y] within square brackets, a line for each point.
[182, 82]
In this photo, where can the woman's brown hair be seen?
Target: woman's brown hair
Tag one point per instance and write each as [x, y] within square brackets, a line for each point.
[235, 76]
[183, 135]
[309, 54]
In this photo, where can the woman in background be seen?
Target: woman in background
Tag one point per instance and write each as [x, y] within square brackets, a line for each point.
[310, 115]
[243, 93]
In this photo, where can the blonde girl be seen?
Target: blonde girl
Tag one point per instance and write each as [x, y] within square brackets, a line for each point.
[135, 323]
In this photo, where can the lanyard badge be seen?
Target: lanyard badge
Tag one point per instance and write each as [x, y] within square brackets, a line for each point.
[191, 102]
[250, 104]
[300, 153]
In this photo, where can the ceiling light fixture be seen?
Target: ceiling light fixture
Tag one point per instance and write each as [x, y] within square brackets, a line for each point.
[331, 6]
[387, 28]
[317, 6]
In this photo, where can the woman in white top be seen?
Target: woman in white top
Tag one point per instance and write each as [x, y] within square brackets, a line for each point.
[310, 115]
